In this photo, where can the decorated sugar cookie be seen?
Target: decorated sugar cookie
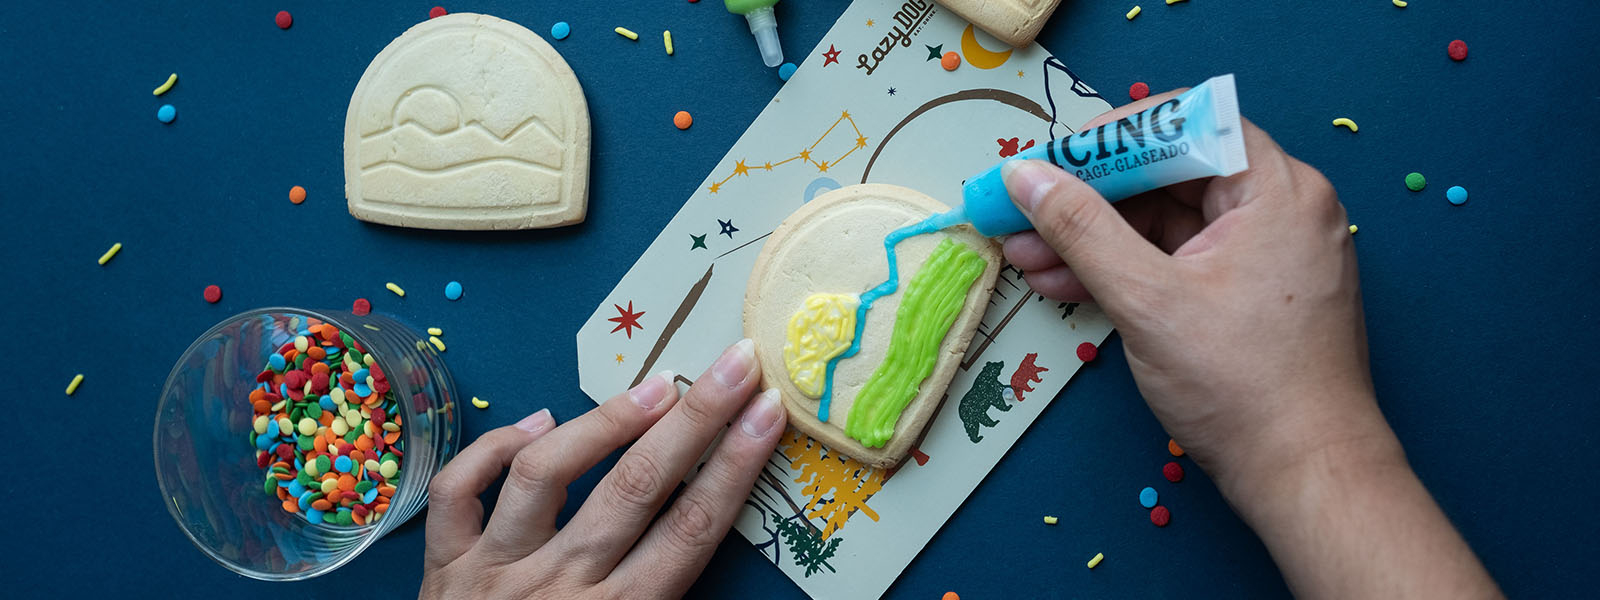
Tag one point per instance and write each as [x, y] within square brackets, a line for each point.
[862, 348]
[467, 121]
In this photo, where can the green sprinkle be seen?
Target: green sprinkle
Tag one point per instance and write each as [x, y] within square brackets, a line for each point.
[272, 485]
[304, 444]
[324, 464]
[314, 410]
[304, 479]
[1415, 182]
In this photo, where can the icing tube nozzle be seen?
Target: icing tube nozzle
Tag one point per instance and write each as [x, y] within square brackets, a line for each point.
[763, 24]
[1196, 134]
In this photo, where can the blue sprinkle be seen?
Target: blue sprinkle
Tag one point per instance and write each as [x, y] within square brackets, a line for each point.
[362, 375]
[166, 113]
[272, 429]
[362, 390]
[264, 442]
[342, 464]
[283, 390]
[314, 515]
[370, 496]
[294, 488]
[326, 402]
[452, 290]
[276, 362]
[298, 465]
[786, 71]
[1147, 497]
[305, 500]
[1457, 195]
[560, 30]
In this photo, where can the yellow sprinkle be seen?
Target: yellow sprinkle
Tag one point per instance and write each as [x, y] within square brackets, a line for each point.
[1133, 13]
[1049, 520]
[171, 79]
[396, 289]
[1094, 562]
[1400, 3]
[1172, 2]
[435, 331]
[479, 403]
[1343, 122]
[1353, 229]
[437, 343]
[115, 248]
[666, 37]
[623, 31]
[369, 326]
[76, 381]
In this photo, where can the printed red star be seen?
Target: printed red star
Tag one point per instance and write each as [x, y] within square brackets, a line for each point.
[626, 319]
[831, 55]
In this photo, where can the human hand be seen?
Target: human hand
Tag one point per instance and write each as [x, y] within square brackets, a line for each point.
[610, 548]
[1237, 298]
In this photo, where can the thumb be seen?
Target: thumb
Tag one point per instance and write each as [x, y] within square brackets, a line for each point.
[1104, 252]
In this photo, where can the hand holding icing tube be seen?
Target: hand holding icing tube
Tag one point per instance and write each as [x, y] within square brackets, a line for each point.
[1193, 135]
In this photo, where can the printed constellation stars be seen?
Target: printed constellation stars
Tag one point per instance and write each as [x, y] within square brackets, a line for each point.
[743, 168]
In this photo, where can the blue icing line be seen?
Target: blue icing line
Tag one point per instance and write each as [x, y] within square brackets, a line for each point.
[930, 225]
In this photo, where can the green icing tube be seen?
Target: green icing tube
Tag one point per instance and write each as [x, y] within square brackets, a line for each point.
[932, 301]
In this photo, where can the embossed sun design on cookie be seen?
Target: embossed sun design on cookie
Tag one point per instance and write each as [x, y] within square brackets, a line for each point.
[861, 312]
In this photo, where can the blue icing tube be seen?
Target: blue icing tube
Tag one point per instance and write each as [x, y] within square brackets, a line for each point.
[1196, 134]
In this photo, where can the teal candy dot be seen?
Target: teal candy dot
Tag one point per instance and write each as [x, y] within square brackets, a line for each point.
[1147, 497]
[786, 71]
[166, 113]
[560, 30]
[452, 290]
[1457, 195]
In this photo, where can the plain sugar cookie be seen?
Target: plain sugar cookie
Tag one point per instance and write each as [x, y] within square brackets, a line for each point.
[1015, 22]
[801, 308]
[467, 121]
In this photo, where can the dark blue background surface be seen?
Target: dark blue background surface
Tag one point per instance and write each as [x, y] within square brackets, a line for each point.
[1481, 317]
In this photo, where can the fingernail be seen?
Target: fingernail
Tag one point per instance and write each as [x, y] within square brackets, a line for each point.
[762, 414]
[1028, 181]
[734, 365]
[536, 422]
[649, 393]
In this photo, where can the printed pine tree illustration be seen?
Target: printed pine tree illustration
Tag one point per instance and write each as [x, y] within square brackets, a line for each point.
[835, 487]
[809, 551]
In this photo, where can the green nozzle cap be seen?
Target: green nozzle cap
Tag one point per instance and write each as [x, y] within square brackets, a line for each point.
[740, 7]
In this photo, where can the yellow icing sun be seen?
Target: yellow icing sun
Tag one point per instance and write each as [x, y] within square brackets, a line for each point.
[822, 329]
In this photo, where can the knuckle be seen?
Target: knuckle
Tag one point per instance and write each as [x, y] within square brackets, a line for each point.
[637, 481]
[530, 472]
[444, 488]
[699, 407]
[692, 523]
[1065, 218]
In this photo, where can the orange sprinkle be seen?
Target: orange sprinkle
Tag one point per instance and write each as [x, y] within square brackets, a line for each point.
[359, 520]
[261, 406]
[321, 504]
[320, 367]
[283, 476]
[362, 443]
[347, 482]
[297, 194]
[357, 456]
[682, 120]
[1172, 447]
[950, 61]
[288, 355]
[391, 437]
[317, 353]
[290, 506]
[386, 490]
[321, 443]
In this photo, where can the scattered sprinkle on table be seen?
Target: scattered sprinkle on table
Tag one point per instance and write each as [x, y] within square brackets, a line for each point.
[1172, 2]
[1457, 50]
[1172, 471]
[479, 403]
[452, 290]
[1415, 182]
[212, 293]
[297, 194]
[171, 79]
[951, 596]
[1134, 13]
[1147, 497]
[361, 307]
[560, 30]
[1049, 520]
[666, 38]
[284, 19]
[72, 387]
[326, 428]
[166, 113]
[1098, 556]
[1160, 516]
[786, 71]
[1354, 229]
[1138, 91]
[396, 289]
[624, 32]
[1346, 123]
[1087, 352]
[435, 331]
[436, 12]
[110, 253]
[683, 119]
[1173, 448]
[438, 344]
[950, 61]
[1457, 195]
[1399, 3]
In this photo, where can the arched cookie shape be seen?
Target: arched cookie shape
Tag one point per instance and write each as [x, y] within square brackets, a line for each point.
[467, 121]
[1015, 22]
[835, 245]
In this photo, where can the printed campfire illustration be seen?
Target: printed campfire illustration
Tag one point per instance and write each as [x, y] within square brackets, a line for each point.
[467, 122]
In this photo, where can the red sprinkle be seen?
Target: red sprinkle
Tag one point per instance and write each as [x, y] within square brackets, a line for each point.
[1173, 472]
[1087, 352]
[436, 12]
[361, 307]
[213, 294]
[1139, 90]
[1160, 516]
[284, 19]
[1458, 50]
